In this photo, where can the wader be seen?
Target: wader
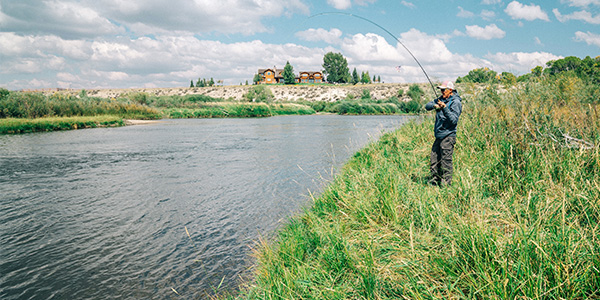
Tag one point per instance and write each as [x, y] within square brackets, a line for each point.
[441, 160]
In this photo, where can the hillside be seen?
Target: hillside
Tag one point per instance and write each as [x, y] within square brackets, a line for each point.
[281, 92]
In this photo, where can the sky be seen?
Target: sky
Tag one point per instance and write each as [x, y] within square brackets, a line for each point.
[89, 44]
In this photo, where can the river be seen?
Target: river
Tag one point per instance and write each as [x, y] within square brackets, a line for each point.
[152, 211]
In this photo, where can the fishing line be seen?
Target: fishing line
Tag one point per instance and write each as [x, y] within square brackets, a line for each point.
[388, 32]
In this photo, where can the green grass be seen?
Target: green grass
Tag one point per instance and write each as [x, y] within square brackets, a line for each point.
[237, 110]
[14, 125]
[519, 222]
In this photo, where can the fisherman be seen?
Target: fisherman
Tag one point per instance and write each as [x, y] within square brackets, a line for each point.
[448, 108]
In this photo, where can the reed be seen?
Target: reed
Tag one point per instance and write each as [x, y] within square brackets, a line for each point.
[521, 219]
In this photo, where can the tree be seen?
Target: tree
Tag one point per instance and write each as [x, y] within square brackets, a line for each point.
[191, 83]
[256, 79]
[508, 78]
[288, 74]
[537, 71]
[366, 78]
[336, 68]
[481, 75]
[374, 78]
[355, 78]
[378, 78]
[211, 82]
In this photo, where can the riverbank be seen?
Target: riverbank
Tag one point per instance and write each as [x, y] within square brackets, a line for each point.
[20, 125]
[520, 220]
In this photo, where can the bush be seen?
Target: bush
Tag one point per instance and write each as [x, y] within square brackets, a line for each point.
[259, 93]
[415, 92]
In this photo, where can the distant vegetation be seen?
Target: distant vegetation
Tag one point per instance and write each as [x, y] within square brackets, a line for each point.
[587, 69]
[35, 105]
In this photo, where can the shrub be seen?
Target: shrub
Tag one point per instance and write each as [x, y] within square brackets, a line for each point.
[259, 93]
[415, 92]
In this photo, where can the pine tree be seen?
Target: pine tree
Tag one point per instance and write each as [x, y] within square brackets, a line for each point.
[355, 78]
[191, 83]
[288, 74]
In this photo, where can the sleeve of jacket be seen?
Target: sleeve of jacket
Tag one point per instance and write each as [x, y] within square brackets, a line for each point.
[430, 105]
[453, 111]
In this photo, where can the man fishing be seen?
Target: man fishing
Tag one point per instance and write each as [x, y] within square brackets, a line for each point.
[448, 108]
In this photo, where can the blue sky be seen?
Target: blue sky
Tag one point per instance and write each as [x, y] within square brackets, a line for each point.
[155, 43]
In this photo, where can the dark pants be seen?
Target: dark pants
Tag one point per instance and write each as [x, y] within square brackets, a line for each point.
[441, 160]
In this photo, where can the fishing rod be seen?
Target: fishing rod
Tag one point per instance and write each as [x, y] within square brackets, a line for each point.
[382, 28]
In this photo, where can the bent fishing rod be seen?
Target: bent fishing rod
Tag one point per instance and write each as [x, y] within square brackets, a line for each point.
[388, 32]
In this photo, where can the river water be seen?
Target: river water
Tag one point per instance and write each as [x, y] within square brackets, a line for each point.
[146, 211]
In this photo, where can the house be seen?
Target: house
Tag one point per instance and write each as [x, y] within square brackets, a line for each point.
[274, 75]
[311, 77]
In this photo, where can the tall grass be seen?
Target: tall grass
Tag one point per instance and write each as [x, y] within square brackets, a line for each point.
[238, 110]
[519, 222]
[11, 125]
[34, 105]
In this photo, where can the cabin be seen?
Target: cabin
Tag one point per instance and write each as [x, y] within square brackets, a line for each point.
[274, 75]
[311, 77]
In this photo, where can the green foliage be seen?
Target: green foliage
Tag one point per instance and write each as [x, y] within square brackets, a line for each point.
[508, 79]
[415, 92]
[365, 78]
[34, 105]
[256, 78]
[3, 93]
[259, 93]
[12, 126]
[203, 82]
[355, 78]
[138, 97]
[366, 94]
[336, 68]
[238, 110]
[481, 75]
[519, 222]
[288, 74]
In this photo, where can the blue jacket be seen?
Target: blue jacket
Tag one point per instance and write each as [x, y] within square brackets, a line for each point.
[446, 119]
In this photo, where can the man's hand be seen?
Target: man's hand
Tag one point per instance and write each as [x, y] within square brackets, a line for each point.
[440, 105]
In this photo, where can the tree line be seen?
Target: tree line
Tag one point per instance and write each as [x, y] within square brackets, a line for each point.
[587, 69]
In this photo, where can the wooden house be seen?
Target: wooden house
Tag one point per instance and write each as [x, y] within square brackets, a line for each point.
[311, 77]
[274, 75]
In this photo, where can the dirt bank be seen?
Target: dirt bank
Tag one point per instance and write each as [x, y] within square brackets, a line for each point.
[281, 92]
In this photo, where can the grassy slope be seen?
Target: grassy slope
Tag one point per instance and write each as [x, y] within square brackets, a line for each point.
[520, 221]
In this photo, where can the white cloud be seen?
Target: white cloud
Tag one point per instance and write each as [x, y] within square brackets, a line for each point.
[538, 41]
[487, 14]
[92, 18]
[462, 13]
[364, 2]
[588, 37]
[314, 35]
[526, 12]
[581, 3]
[491, 2]
[340, 4]
[578, 15]
[520, 62]
[485, 33]
[408, 4]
